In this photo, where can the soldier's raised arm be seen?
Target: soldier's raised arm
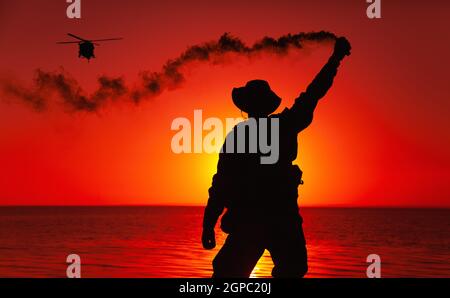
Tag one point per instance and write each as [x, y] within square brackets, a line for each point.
[301, 113]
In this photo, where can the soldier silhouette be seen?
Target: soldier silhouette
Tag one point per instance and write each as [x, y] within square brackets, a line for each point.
[261, 199]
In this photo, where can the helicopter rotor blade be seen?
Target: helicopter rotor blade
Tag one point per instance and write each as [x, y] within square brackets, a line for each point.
[67, 42]
[107, 39]
[77, 37]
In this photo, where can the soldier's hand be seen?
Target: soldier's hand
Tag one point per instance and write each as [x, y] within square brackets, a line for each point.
[208, 239]
[342, 47]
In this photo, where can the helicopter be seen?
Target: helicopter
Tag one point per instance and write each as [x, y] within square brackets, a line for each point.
[86, 47]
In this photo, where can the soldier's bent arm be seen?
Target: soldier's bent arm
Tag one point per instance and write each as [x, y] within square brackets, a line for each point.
[215, 206]
[221, 183]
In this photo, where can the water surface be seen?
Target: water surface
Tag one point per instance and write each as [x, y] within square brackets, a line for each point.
[165, 242]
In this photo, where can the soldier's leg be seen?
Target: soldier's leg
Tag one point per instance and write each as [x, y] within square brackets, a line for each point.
[238, 256]
[288, 250]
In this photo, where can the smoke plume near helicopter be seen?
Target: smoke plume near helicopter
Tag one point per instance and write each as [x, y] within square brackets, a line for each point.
[59, 85]
[67, 89]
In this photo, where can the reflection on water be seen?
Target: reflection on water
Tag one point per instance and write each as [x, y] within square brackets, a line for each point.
[165, 242]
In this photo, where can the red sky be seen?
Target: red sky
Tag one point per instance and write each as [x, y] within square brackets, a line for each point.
[380, 136]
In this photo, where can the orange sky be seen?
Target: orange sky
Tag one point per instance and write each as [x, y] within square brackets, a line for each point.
[380, 137]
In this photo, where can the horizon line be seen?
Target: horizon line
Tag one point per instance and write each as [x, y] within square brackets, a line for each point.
[184, 205]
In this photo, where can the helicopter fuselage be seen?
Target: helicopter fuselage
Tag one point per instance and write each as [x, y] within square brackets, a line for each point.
[86, 50]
